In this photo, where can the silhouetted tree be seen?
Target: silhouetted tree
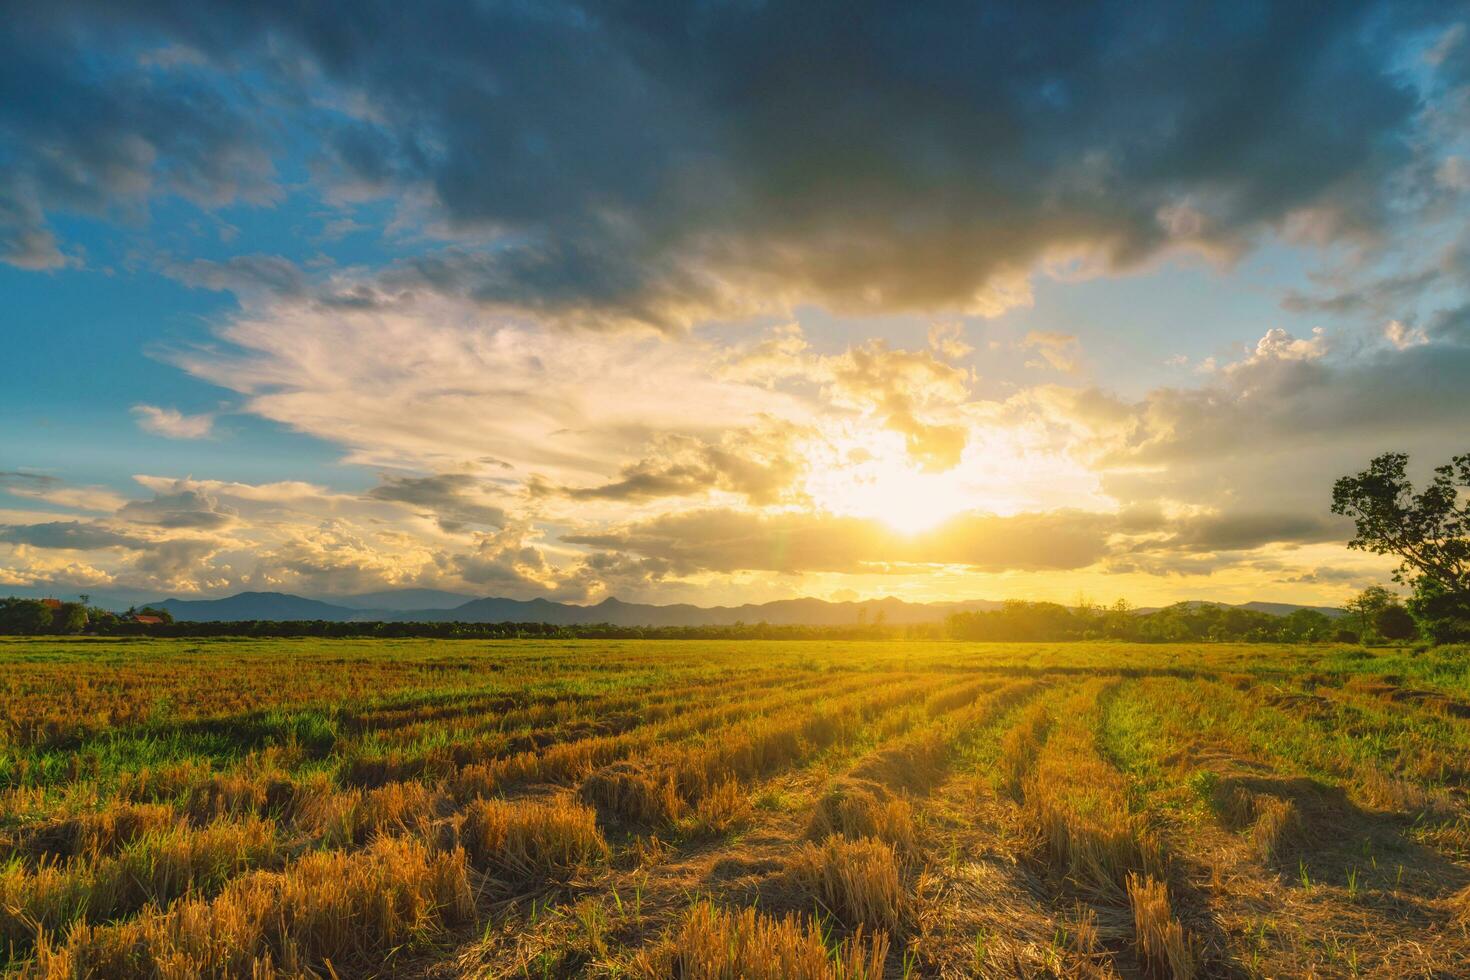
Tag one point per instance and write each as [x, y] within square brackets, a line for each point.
[1428, 531]
[1366, 605]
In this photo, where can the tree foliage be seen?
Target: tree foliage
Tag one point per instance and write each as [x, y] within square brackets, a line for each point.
[1427, 530]
[28, 617]
[1181, 622]
[1393, 622]
[1366, 605]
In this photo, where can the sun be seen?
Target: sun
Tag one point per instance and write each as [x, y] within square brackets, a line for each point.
[873, 477]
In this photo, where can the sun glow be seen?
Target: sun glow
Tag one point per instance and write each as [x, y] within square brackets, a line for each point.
[874, 478]
[865, 472]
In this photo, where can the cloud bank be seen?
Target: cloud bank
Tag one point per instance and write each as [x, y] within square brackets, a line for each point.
[610, 164]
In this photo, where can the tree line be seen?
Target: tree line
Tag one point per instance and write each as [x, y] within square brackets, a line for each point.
[1179, 623]
[1370, 617]
[20, 617]
[1014, 621]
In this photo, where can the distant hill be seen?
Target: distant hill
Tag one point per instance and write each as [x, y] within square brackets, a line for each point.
[1286, 609]
[1270, 608]
[402, 600]
[255, 605]
[783, 612]
[432, 605]
[393, 607]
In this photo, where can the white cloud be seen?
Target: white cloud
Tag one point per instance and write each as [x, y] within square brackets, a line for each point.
[948, 340]
[173, 424]
[434, 385]
[1280, 345]
[1058, 351]
[1403, 337]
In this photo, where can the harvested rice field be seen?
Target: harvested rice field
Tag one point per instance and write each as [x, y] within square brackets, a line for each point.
[230, 808]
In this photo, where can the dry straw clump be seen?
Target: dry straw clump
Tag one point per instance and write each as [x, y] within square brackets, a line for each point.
[1078, 805]
[717, 944]
[349, 909]
[155, 868]
[723, 809]
[1278, 828]
[915, 763]
[98, 833]
[1274, 824]
[856, 881]
[662, 789]
[400, 809]
[1164, 948]
[861, 808]
[529, 841]
[1020, 745]
[635, 792]
[1460, 908]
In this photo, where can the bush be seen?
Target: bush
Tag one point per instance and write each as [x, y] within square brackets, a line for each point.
[1393, 622]
[1443, 616]
[24, 617]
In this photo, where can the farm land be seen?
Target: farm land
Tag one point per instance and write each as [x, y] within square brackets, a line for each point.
[420, 808]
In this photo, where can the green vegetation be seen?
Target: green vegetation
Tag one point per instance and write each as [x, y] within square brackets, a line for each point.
[42, 617]
[1182, 622]
[1428, 530]
[212, 808]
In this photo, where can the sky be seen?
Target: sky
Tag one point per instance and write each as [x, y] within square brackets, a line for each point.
[721, 302]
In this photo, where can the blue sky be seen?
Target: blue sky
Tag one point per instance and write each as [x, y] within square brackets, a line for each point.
[726, 303]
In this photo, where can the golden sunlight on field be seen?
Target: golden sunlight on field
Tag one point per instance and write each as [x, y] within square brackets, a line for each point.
[707, 809]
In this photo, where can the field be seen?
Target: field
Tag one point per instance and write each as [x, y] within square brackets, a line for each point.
[182, 808]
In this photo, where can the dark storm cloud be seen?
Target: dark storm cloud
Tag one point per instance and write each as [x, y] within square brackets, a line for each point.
[1262, 443]
[759, 465]
[662, 162]
[1275, 405]
[1451, 325]
[729, 540]
[68, 536]
[82, 130]
[1382, 296]
[184, 509]
[1247, 531]
[451, 498]
[18, 479]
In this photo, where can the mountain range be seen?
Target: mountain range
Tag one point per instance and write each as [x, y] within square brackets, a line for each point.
[437, 608]
[429, 605]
